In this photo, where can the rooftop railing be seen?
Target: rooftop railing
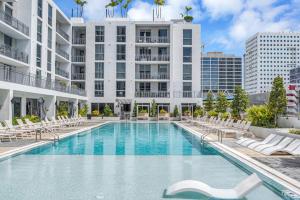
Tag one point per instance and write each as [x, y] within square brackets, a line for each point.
[152, 58]
[13, 22]
[152, 39]
[158, 94]
[61, 72]
[62, 53]
[13, 53]
[12, 76]
[61, 32]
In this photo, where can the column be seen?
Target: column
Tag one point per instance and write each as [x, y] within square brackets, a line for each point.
[6, 105]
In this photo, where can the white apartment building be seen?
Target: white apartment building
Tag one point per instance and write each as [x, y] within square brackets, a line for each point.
[267, 56]
[119, 61]
[35, 49]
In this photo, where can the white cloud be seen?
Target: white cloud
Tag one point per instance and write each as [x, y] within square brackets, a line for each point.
[220, 8]
[95, 9]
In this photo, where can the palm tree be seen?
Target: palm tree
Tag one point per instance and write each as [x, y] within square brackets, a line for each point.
[186, 16]
[81, 4]
[112, 4]
[125, 6]
[158, 4]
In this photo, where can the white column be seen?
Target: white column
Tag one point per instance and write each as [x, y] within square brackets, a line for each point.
[6, 105]
[76, 108]
[50, 106]
[23, 106]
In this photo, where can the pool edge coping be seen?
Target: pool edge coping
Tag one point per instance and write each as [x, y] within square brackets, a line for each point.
[23, 149]
[286, 181]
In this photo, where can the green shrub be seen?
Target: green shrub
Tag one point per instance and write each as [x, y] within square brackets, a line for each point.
[294, 131]
[260, 116]
[176, 111]
[134, 111]
[32, 118]
[14, 121]
[187, 113]
[84, 110]
[212, 113]
[225, 115]
[143, 111]
[62, 109]
[107, 111]
[153, 109]
[95, 113]
[199, 112]
[162, 111]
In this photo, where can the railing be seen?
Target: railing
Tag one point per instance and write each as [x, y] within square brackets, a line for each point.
[61, 72]
[13, 53]
[142, 94]
[33, 81]
[13, 22]
[61, 32]
[78, 76]
[62, 53]
[78, 58]
[152, 76]
[152, 58]
[187, 94]
[141, 39]
[79, 40]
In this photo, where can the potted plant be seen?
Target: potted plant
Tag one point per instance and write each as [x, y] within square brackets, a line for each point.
[95, 113]
[186, 16]
[163, 113]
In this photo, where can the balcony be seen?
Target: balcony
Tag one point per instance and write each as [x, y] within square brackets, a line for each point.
[160, 76]
[78, 76]
[62, 33]
[62, 73]
[13, 53]
[14, 23]
[158, 94]
[152, 40]
[150, 58]
[79, 41]
[34, 81]
[187, 94]
[78, 59]
[63, 54]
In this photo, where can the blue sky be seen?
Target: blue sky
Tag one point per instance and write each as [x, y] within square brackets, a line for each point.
[226, 24]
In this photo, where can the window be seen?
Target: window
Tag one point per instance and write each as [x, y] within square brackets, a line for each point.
[49, 60]
[162, 87]
[163, 35]
[49, 38]
[187, 54]
[145, 87]
[121, 52]
[99, 51]
[38, 55]
[99, 33]
[187, 72]
[8, 11]
[7, 41]
[121, 70]
[99, 88]
[40, 8]
[39, 30]
[50, 15]
[121, 34]
[99, 70]
[187, 37]
[121, 87]
[187, 89]
[38, 78]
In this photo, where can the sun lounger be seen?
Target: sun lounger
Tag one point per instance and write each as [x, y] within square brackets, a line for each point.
[238, 192]
[292, 147]
[283, 144]
[254, 143]
[274, 142]
[296, 152]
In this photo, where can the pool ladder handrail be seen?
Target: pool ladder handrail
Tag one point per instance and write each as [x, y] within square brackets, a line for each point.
[55, 137]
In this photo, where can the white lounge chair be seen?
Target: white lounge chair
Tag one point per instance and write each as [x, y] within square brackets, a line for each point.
[274, 142]
[271, 150]
[238, 192]
[254, 143]
[296, 152]
[292, 147]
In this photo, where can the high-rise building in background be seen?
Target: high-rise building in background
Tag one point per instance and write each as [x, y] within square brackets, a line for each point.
[220, 72]
[267, 56]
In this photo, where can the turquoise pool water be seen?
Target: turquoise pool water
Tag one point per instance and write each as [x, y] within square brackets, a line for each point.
[119, 161]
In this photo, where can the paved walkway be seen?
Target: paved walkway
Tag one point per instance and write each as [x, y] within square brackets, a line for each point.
[286, 164]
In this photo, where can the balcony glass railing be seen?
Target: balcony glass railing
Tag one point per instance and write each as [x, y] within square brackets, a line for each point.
[187, 94]
[62, 53]
[78, 58]
[142, 39]
[152, 58]
[61, 72]
[13, 53]
[61, 32]
[146, 94]
[79, 41]
[152, 76]
[31, 80]
[13, 22]
[78, 76]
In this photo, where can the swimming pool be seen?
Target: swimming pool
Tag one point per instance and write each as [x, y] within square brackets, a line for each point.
[119, 161]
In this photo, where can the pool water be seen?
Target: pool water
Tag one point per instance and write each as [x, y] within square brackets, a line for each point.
[119, 161]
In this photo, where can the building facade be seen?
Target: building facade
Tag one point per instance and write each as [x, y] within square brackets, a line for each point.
[267, 56]
[220, 72]
[119, 62]
[35, 49]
